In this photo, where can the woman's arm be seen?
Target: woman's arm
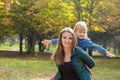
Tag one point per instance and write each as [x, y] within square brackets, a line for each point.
[86, 58]
[57, 76]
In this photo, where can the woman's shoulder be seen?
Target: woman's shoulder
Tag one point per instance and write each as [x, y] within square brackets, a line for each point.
[79, 50]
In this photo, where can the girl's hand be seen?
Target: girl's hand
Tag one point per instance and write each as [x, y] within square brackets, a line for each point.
[46, 42]
[110, 55]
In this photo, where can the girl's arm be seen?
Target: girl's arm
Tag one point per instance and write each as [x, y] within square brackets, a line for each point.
[95, 47]
[109, 54]
[54, 41]
[99, 48]
[47, 42]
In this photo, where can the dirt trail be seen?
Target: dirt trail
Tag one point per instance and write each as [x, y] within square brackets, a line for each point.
[15, 54]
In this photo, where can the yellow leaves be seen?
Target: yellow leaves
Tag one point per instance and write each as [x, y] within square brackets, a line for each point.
[98, 28]
[41, 3]
[2, 3]
[110, 19]
[101, 3]
[6, 22]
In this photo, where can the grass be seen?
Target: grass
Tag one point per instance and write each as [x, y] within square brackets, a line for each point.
[15, 47]
[31, 68]
[6, 46]
[106, 69]
[16, 67]
[28, 69]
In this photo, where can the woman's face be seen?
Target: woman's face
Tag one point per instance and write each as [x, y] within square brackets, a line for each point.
[67, 39]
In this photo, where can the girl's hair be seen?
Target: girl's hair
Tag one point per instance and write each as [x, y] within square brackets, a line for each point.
[58, 56]
[81, 25]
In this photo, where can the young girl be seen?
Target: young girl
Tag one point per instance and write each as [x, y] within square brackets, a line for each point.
[84, 42]
[70, 59]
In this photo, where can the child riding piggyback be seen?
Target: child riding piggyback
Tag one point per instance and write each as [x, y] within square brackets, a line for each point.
[84, 42]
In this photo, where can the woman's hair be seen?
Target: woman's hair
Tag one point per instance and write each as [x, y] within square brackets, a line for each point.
[81, 25]
[58, 56]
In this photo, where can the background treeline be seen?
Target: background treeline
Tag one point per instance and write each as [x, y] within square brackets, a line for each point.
[35, 20]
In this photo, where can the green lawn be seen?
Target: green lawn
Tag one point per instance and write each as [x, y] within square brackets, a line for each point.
[106, 69]
[25, 69]
[41, 69]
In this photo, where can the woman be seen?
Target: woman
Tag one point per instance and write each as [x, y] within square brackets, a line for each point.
[71, 60]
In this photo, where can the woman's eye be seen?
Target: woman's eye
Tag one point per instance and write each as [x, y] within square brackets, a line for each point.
[70, 38]
[64, 37]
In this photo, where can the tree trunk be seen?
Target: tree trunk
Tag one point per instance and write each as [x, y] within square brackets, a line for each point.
[20, 44]
[78, 9]
[118, 47]
[41, 46]
[90, 51]
[31, 43]
[115, 50]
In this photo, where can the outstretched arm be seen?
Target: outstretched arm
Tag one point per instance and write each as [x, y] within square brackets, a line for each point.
[108, 54]
[47, 42]
[98, 48]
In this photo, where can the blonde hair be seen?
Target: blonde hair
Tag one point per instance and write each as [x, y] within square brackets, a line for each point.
[81, 26]
[58, 56]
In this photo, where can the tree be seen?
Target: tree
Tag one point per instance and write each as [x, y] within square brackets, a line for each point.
[6, 23]
[26, 22]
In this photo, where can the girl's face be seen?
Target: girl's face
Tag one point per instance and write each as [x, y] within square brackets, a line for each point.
[67, 39]
[81, 34]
